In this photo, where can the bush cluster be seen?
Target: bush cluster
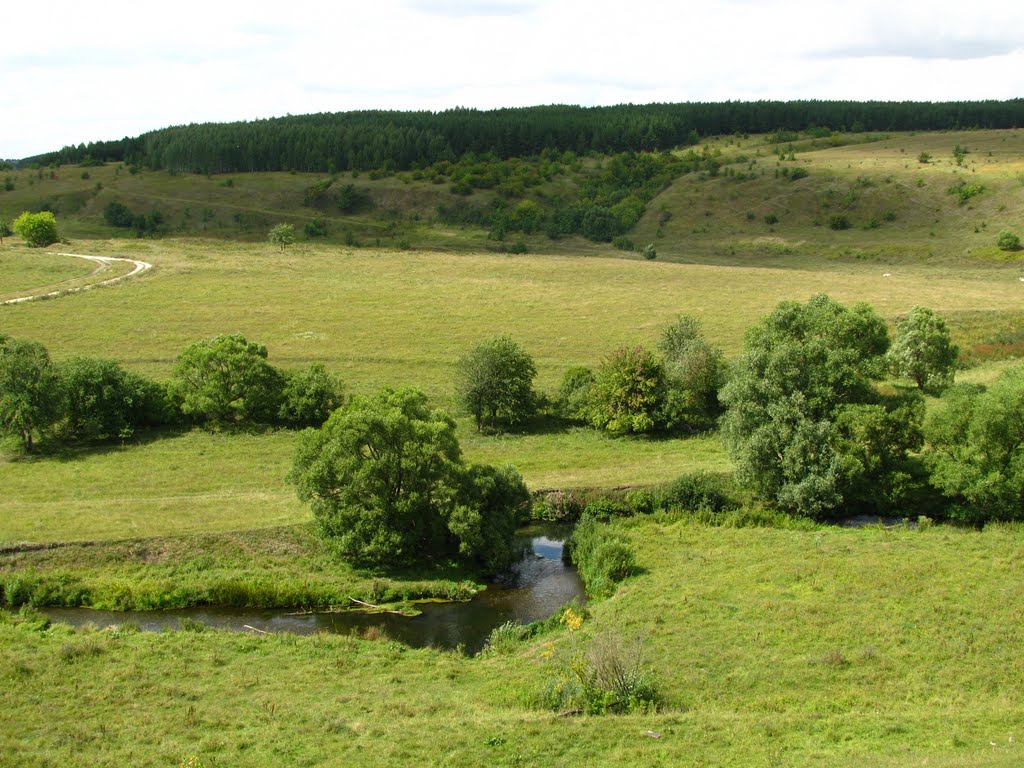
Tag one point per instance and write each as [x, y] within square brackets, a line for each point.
[220, 382]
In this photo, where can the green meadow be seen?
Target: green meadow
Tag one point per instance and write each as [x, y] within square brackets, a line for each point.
[815, 646]
[825, 647]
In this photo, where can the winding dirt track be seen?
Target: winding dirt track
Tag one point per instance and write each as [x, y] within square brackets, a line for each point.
[103, 262]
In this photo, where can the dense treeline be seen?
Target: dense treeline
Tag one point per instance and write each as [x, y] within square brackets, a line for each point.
[367, 140]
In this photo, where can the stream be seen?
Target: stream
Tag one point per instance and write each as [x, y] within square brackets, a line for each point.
[534, 588]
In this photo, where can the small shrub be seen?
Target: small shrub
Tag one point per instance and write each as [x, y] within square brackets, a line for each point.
[504, 639]
[1008, 241]
[640, 502]
[605, 509]
[610, 678]
[838, 221]
[558, 506]
[650, 252]
[795, 174]
[623, 243]
[924, 158]
[697, 491]
[771, 219]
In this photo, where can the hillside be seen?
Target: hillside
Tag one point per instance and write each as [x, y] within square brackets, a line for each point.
[732, 200]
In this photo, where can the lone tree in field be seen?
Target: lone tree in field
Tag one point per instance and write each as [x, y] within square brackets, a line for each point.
[923, 350]
[386, 482]
[38, 229]
[804, 423]
[494, 383]
[282, 235]
[226, 380]
[31, 397]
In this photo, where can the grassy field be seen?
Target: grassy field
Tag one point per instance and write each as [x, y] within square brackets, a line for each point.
[387, 317]
[826, 647]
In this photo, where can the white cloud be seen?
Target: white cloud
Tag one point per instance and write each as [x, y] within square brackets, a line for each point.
[127, 67]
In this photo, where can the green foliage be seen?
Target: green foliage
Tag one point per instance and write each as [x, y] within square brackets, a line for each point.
[282, 235]
[649, 252]
[38, 229]
[5, 231]
[226, 380]
[31, 395]
[964, 191]
[1008, 241]
[310, 396]
[103, 400]
[117, 214]
[573, 401]
[609, 678]
[804, 424]
[924, 158]
[602, 556]
[976, 450]
[387, 484]
[627, 392]
[923, 351]
[494, 383]
[315, 228]
[694, 372]
[839, 221]
[493, 504]
[697, 491]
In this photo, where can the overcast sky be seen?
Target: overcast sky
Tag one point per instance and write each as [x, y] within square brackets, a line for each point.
[76, 72]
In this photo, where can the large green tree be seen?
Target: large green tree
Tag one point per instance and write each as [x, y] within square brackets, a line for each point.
[976, 449]
[494, 383]
[386, 481]
[31, 396]
[227, 379]
[923, 350]
[804, 422]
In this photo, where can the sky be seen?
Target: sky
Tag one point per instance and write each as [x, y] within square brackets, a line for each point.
[73, 72]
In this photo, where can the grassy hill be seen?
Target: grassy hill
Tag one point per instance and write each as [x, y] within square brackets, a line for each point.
[898, 209]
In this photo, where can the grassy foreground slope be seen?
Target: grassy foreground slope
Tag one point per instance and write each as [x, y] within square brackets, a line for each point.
[825, 647]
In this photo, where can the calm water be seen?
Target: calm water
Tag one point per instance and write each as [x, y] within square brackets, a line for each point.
[536, 587]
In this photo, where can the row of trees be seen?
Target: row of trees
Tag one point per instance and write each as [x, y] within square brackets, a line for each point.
[217, 382]
[367, 140]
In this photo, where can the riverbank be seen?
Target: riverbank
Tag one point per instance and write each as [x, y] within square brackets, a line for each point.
[286, 567]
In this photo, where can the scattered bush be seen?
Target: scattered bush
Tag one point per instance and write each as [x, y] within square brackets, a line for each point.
[838, 221]
[771, 219]
[1008, 241]
[649, 252]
